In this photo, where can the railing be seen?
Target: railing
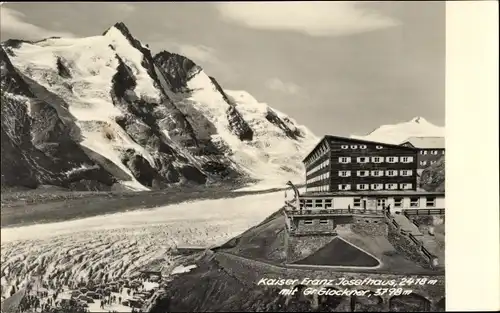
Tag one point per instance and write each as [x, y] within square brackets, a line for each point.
[415, 240]
[422, 248]
[409, 212]
[427, 253]
[333, 212]
[395, 224]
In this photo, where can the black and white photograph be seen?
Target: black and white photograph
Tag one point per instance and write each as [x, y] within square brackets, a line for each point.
[223, 156]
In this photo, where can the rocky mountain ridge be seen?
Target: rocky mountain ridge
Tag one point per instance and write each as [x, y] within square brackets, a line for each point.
[102, 112]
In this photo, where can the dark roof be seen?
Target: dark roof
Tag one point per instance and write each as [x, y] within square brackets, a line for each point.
[373, 193]
[357, 141]
[426, 142]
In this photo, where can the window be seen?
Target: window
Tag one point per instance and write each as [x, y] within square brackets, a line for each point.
[414, 202]
[406, 159]
[442, 152]
[363, 173]
[344, 160]
[423, 162]
[381, 202]
[430, 202]
[309, 222]
[362, 186]
[362, 147]
[354, 146]
[392, 159]
[434, 152]
[424, 152]
[344, 146]
[323, 221]
[328, 202]
[357, 202]
[344, 173]
[362, 160]
[377, 159]
[377, 173]
[398, 202]
[379, 147]
[391, 173]
[391, 186]
[406, 186]
[377, 186]
[406, 172]
[344, 187]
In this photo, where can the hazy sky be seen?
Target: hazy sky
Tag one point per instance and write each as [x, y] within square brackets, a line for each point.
[340, 68]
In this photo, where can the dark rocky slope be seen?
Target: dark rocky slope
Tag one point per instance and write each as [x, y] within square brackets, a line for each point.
[225, 282]
[37, 146]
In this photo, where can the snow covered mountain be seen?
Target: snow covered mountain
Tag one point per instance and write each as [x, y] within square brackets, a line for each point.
[397, 133]
[102, 111]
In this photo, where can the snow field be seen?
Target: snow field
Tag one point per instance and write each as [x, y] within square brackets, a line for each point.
[119, 245]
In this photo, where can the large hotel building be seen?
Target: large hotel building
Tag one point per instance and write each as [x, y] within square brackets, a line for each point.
[339, 164]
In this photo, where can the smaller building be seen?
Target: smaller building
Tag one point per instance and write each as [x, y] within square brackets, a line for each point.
[430, 150]
[373, 200]
[321, 213]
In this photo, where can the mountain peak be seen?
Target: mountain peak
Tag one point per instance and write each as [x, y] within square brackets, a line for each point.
[397, 133]
[120, 26]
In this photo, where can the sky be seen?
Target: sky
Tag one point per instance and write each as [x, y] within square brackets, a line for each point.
[339, 68]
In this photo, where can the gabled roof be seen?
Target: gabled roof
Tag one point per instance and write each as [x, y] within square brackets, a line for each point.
[426, 142]
[359, 141]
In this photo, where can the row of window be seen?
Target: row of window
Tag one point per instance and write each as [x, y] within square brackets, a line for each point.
[377, 159]
[360, 147]
[379, 186]
[425, 162]
[318, 167]
[319, 188]
[433, 152]
[377, 173]
[310, 222]
[398, 202]
[319, 153]
[357, 202]
[318, 178]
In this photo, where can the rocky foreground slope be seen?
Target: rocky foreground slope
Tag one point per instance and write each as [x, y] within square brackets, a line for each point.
[103, 112]
[227, 279]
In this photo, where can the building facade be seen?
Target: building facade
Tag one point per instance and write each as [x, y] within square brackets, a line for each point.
[343, 164]
[373, 200]
[430, 150]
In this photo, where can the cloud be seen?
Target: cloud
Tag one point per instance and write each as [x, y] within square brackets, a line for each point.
[308, 17]
[12, 21]
[285, 87]
[125, 7]
[197, 52]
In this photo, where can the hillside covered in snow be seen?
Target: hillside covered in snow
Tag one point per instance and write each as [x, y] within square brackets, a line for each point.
[103, 112]
[397, 133]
